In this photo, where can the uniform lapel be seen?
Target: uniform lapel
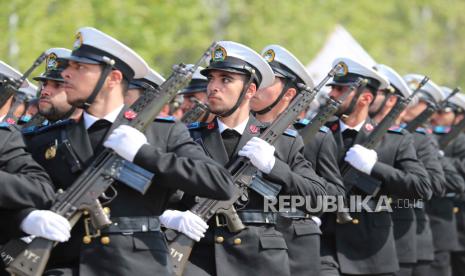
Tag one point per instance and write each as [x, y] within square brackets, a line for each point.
[117, 122]
[364, 132]
[212, 143]
[336, 130]
[251, 130]
[79, 140]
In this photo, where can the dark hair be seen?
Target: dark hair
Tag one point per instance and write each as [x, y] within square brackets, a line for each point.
[125, 84]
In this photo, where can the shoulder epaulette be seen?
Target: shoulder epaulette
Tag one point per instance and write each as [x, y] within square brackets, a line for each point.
[5, 125]
[291, 132]
[42, 129]
[302, 122]
[324, 129]
[166, 118]
[396, 129]
[29, 130]
[441, 129]
[196, 125]
[420, 130]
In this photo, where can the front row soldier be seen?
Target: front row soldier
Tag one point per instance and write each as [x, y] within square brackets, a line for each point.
[366, 245]
[133, 244]
[303, 237]
[234, 74]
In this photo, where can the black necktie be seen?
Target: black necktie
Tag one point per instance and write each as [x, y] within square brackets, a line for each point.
[348, 136]
[97, 132]
[230, 140]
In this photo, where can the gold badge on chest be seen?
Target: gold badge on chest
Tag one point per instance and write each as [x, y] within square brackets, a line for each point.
[51, 151]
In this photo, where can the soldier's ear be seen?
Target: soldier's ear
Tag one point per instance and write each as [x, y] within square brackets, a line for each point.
[290, 94]
[114, 78]
[392, 100]
[366, 98]
[251, 91]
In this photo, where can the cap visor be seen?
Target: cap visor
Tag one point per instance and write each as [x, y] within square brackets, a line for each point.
[335, 83]
[226, 69]
[48, 78]
[81, 60]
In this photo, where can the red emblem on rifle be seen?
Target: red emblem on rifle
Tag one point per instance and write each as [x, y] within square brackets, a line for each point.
[130, 114]
[211, 125]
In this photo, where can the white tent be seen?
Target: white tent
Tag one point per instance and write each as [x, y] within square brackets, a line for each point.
[339, 44]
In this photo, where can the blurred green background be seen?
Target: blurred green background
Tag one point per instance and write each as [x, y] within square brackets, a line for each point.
[424, 36]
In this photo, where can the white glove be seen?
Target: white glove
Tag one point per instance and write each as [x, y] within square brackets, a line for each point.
[260, 153]
[126, 141]
[361, 158]
[186, 222]
[316, 220]
[46, 224]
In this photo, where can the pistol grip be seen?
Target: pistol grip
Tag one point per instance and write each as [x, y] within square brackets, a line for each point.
[98, 216]
[233, 221]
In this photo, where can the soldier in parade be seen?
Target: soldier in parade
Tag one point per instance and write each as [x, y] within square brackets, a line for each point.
[303, 239]
[26, 188]
[133, 242]
[457, 104]
[234, 74]
[440, 208]
[443, 122]
[412, 233]
[366, 244]
[428, 154]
